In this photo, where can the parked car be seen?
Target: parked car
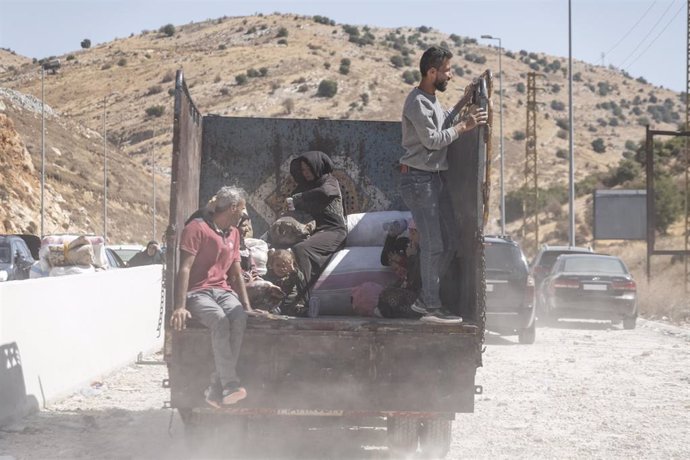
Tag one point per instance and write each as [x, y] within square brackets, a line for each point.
[509, 289]
[126, 251]
[114, 260]
[15, 257]
[591, 286]
[543, 263]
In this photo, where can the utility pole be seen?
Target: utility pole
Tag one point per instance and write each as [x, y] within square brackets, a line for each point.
[153, 181]
[687, 154]
[105, 174]
[531, 197]
[43, 150]
[571, 166]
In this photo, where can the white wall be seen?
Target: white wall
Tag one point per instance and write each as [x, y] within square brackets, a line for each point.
[72, 329]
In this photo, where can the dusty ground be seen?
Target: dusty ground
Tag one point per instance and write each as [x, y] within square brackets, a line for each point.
[584, 390]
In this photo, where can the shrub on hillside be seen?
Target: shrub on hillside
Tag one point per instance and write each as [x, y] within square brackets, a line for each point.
[520, 88]
[154, 90]
[598, 145]
[327, 88]
[282, 32]
[168, 30]
[122, 62]
[557, 106]
[397, 61]
[241, 79]
[323, 20]
[282, 41]
[86, 43]
[519, 135]
[155, 111]
[263, 71]
[252, 73]
[411, 76]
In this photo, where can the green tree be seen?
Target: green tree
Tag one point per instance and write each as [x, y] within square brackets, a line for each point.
[669, 202]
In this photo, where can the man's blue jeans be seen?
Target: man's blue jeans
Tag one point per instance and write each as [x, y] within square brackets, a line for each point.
[427, 197]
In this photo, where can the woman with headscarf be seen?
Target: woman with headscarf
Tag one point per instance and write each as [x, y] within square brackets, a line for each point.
[317, 193]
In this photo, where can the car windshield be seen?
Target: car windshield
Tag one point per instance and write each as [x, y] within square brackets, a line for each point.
[126, 254]
[5, 255]
[549, 258]
[595, 265]
[504, 257]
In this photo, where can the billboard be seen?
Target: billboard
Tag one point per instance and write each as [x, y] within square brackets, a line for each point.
[620, 215]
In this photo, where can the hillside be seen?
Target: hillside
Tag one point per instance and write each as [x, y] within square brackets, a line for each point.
[286, 57]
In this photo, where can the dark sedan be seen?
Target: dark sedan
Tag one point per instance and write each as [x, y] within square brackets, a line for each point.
[509, 290]
[591, 287]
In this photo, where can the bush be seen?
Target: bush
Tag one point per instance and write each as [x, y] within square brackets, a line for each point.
[562, 134]
[669, 202]
[598, 145]
[263, 71]
[106, 66]
[168, 76]
[555, 88]
[627, 170]
[224, 91]
[563, 123]
[168, 30]
[241, 79]
[282, 32]
[70, 57]
[303, 88]
[282, 41]
[344, 66]
[222, 46]
[327, 88]
[155, 111]
[519, 135]
[86, 43]
[411, 76]
[631, 145]
[323, 20]
[122, 62]
[520, 88]
[558, 106]
[562, 154]
[252, 73]
[154, 90]
[397, 61]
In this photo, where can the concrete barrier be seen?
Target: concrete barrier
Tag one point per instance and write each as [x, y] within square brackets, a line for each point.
[71, 329]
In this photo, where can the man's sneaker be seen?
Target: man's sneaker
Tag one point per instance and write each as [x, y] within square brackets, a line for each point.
[438, 316]
[233, 394]
[214, 395]
[418, 307]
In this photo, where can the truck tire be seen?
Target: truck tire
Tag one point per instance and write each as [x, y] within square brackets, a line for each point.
[435, 437]
[215, 435]
[403, 435]
[528, 335]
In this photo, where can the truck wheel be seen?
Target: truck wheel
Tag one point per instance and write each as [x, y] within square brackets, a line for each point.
[528, 335]
[435, 437]
[403, 435]
[215, 435]
[629, 323]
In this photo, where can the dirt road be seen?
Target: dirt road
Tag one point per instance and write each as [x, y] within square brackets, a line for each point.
[584, 390]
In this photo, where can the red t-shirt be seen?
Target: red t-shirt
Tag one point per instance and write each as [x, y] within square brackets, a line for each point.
[214, 253]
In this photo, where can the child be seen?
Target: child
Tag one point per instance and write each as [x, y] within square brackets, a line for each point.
[283, 272]
[402, 255]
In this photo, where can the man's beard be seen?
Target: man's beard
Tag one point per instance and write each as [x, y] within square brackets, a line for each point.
[441, 86]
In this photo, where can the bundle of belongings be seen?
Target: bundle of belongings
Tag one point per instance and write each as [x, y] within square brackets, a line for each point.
[69, 255]
[373, 275]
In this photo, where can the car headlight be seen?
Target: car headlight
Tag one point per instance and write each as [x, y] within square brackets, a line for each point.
[4, 275]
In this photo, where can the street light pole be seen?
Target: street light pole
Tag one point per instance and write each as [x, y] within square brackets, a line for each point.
[153, 180]
[500, 102]
[571, 167]
[43, 149]
[105, 174]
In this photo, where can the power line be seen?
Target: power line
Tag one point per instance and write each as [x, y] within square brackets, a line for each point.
[646, 36]
[632, 28]
[655, 38]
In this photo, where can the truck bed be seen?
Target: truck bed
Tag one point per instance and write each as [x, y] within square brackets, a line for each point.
[350, 364]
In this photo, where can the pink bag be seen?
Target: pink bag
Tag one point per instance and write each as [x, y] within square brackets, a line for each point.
[365, 298]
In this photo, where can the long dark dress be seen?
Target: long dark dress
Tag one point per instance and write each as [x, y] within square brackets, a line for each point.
[322, 199]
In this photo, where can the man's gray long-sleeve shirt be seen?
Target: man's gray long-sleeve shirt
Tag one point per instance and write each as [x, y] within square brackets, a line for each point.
[426, 132]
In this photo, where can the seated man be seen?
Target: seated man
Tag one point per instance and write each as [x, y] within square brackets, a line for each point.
[209, 248]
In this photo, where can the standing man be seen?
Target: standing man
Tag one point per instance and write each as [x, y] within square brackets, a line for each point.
[210, 248]
[427, 130]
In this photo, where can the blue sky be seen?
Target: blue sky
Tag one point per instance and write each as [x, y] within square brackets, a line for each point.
[645, 37]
